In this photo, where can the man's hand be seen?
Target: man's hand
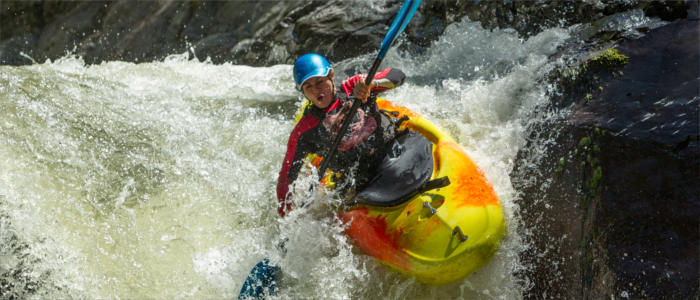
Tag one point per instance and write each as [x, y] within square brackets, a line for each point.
[361, 90]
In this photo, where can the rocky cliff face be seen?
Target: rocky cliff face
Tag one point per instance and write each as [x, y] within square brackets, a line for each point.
[127, 30]
[262, 33]
[613, 208]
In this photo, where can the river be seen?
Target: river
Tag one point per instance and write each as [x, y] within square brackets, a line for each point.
[157, 180]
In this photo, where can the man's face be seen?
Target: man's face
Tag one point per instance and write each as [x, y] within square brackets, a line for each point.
[319, 90]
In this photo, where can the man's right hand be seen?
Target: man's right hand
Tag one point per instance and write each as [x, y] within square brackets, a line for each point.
[361, 90]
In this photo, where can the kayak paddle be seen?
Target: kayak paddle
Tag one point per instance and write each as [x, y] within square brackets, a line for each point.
[263, 277]
[402, 18]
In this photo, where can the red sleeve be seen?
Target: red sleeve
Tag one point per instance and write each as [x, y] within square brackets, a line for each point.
[349, 84]
[283, 180]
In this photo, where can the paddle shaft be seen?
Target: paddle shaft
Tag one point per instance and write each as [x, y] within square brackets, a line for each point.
[264, 274]
[346, 122]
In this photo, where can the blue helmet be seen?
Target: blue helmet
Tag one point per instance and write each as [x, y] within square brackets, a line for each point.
[310, 65]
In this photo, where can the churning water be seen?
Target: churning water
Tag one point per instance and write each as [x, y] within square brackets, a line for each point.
[157, 180]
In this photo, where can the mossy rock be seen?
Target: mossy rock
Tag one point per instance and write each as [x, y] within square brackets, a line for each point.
[609, 60]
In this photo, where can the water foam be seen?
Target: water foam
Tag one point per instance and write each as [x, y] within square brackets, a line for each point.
[156, 180]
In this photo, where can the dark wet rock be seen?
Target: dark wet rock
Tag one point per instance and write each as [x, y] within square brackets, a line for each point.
[612, 207]
[17, 50]
[21, 24]
[267, 32]
[341, 30]
[531, 17]
[651, 97]
[65, 33]
[216, 47]
[132, 31]
[18, 18]
[337, 29]
[669, 10]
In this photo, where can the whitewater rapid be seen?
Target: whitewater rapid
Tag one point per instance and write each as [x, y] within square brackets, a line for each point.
[157, 180]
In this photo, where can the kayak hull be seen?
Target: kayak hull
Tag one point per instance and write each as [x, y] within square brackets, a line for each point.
[439, 236]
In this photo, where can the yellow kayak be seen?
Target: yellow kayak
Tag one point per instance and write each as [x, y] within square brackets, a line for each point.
[446, 224]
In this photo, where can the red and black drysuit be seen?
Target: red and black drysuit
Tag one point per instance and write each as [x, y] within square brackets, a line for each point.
[311, 136]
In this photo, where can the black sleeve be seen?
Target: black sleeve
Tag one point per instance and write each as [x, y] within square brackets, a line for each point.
[388, 79]
[396, 76]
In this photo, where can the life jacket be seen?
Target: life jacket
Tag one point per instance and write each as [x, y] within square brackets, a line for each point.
[360, 160]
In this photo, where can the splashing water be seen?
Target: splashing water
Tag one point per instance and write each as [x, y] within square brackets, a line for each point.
[157, 180]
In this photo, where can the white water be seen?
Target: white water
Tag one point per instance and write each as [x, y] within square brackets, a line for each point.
[157, 180]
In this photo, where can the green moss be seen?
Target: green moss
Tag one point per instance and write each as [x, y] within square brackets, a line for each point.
[587, 152]
[595, 180]
[560, 166]
[584, 142]
[609, 59]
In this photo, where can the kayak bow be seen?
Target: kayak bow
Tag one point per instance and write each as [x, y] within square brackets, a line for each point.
[437, 236]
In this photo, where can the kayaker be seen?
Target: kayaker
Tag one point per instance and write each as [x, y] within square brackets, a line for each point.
[362, 146]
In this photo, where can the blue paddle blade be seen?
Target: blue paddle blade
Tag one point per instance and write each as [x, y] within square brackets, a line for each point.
[261, 281]
[402, 19]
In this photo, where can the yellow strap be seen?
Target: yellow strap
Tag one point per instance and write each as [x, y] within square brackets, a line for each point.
[301, 110]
